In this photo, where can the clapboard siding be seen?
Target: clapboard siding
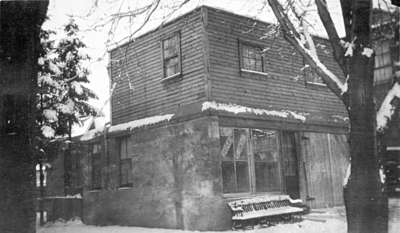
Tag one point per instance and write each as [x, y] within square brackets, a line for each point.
[283, 87]
[137, 70]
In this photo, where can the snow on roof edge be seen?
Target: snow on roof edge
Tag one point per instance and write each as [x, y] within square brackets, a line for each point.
[236, 109]
[129, 125]
[141, 122]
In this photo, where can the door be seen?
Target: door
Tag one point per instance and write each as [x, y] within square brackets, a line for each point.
[290, 164]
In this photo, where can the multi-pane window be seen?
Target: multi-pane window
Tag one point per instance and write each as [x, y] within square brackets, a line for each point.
[312, 77]
[235, 160]
[266, 160]
[95, 150]
[250, 160]
[171, 56]
[383, 62]
[125, 164]
[251, 58]
[44, 173]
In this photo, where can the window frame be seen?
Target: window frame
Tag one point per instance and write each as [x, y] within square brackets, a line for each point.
[241, 45]
[178, 56]
[381, 55]
[308, 72]
[122, 161]
[96, 157]
[251, 164]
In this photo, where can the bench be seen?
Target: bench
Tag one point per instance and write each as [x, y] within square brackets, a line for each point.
[265, 210]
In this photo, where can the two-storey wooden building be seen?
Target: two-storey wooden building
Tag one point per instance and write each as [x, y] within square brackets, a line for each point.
[211, 107]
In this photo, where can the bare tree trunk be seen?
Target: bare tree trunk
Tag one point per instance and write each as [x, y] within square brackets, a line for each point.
[366, 204]
[20, 23]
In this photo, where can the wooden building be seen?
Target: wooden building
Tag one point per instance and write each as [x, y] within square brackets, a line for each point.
[212, 107]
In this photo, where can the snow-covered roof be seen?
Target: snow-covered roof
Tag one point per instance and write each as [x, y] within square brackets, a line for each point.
[301, 117]
[127, 126]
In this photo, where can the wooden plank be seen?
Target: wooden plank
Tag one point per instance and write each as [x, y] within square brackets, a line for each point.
[278, 88]
[340, 160]
[315, 155]
[150, 95]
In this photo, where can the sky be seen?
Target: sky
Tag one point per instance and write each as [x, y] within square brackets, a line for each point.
[100, 33]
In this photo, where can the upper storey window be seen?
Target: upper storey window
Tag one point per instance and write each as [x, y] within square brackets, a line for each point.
[251, 58]
[383, 62]
[312, 77]
[171, 56]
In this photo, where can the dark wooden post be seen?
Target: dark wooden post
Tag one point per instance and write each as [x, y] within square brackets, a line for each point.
[20, 23]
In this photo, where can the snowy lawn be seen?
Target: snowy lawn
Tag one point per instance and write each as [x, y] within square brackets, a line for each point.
[319, 221]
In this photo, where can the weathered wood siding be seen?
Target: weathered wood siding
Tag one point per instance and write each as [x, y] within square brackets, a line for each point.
[282, 88]
[140, 63]
[323, 163]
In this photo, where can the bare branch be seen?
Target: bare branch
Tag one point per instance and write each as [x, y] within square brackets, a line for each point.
[292, 36]
[334, 39]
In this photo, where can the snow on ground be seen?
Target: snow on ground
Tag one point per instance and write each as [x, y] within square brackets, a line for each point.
[320, 221]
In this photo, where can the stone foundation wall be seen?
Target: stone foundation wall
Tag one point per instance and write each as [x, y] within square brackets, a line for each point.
[175, 180]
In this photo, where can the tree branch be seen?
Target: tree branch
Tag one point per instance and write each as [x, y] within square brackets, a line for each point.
[338, 50]
[386, 109]
[292, 36]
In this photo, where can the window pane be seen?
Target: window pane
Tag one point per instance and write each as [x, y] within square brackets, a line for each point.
[124, 147]
[171, 66]
[265, 145]
[228, 177]
[242, 176]
[171, 55]
[226, 143]
[267, 177]
[312, 77]
[251, 58]
[96, 166]
[266, 151]
[383, 62]
[126, 171]
[241, 144]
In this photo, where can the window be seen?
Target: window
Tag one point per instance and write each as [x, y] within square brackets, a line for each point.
[310, 76]
[250, 160]
[125, 164]
[266, 160]
[235, 160]
[383, 62]
[96, 165]
[313, 78]
[38, 175]
[251, 58]
[171, 56]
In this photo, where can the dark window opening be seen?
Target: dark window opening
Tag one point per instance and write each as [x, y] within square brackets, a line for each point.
[252, 58]
[96, 165]
[125, 163]
[235, 164]
[266, 160]
[171, 56]
[383, 62]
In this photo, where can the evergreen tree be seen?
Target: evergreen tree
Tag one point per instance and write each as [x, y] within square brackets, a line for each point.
[62, 99]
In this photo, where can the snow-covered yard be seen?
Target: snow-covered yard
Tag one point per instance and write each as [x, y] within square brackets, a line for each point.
[318, 221]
